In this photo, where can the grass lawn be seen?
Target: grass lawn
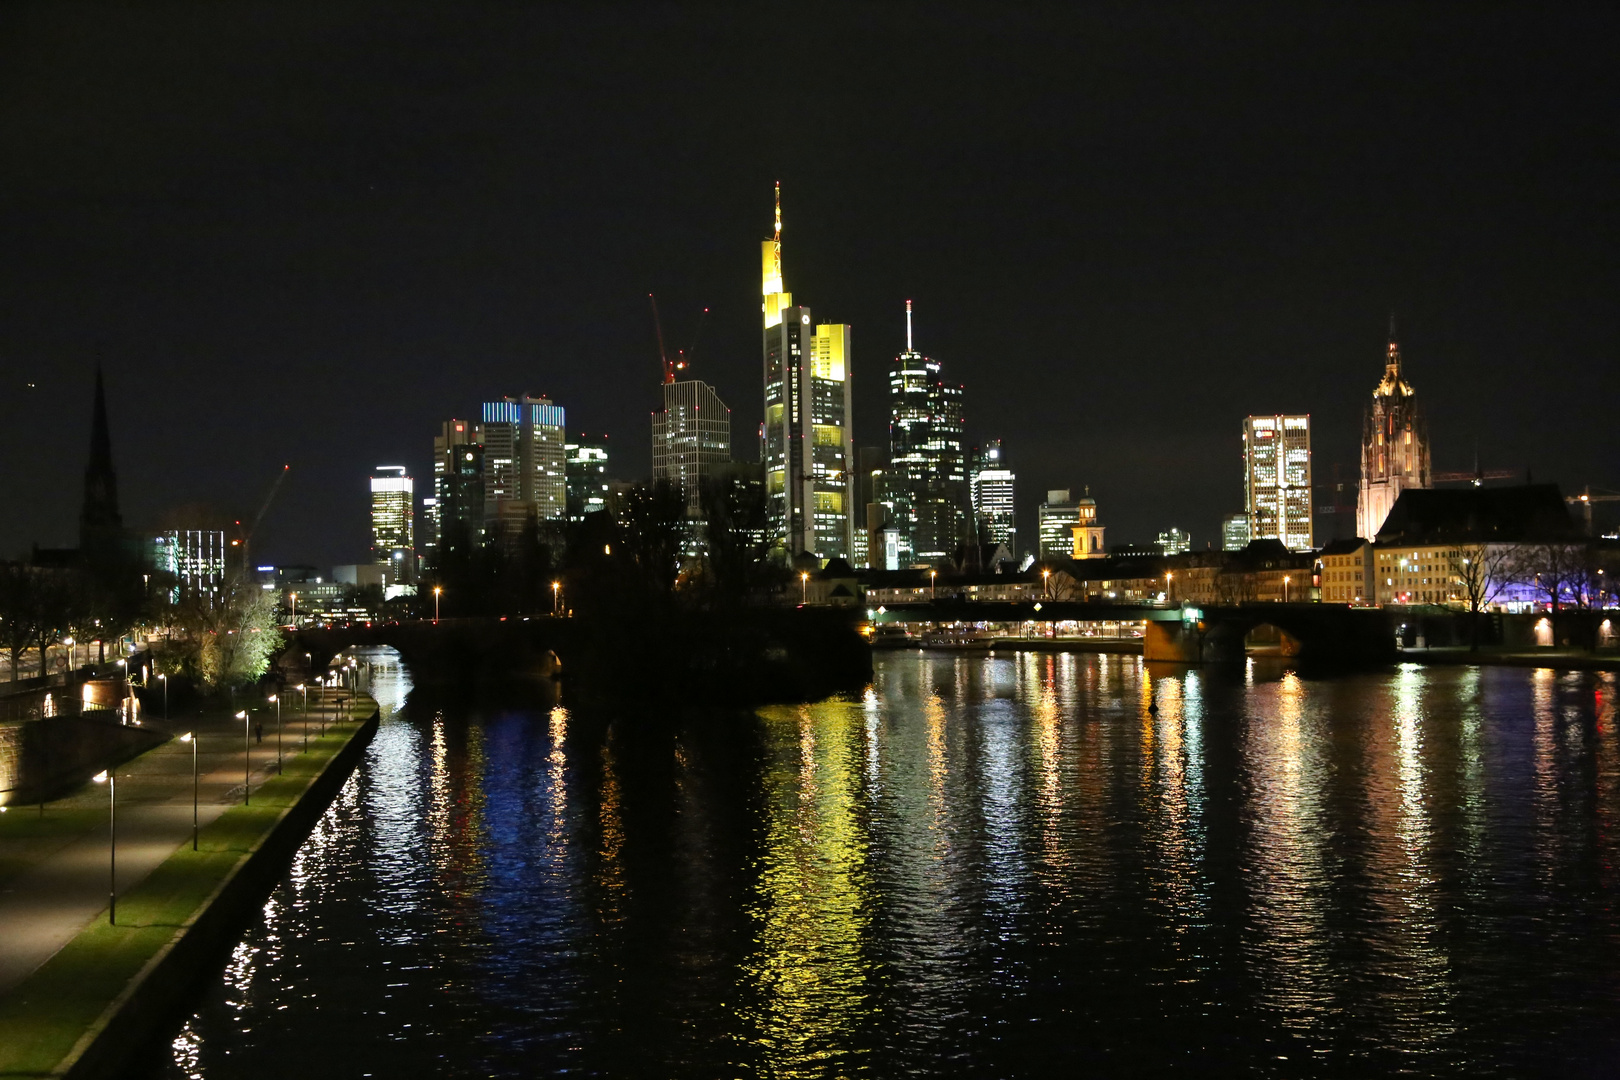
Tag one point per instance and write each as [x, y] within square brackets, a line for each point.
[42, 1019]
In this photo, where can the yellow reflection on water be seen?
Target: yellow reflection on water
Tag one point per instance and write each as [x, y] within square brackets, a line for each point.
[610, 873]
[809, 970]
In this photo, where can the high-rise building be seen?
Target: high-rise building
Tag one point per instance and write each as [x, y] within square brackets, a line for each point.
[1056, 521]
[194, 560]
[991, 489]
[808, 431]
[926, 481]
[525, 466]
[691, 434]
[456, 507]
[1394, 445]
[1234, 532]
[393, 505]
[1173, 541]
[588, 483]
[1277, 479]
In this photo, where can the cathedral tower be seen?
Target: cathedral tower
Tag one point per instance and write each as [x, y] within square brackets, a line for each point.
[1394, 445]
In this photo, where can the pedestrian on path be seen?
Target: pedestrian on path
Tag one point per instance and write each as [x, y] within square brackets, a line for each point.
[258, 731]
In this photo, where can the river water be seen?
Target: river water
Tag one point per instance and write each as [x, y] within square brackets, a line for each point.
[1022, 865]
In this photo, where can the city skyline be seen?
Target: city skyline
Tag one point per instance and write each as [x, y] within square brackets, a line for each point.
[1061, 294]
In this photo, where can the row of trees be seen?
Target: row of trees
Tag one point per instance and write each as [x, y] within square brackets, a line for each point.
[1564, 575]
[639, 558]
[213, 639]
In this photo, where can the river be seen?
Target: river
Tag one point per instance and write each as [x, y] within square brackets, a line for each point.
[1023, 865]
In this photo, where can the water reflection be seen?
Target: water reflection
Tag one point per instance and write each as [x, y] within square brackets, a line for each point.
[1015, 865]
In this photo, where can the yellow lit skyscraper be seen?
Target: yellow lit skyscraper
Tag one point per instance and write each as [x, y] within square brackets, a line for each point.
[1277, 479]
[808, 445]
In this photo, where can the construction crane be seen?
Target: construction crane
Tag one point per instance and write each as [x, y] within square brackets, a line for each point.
[244, 538]
[682, 358]
[1473, 476]
[1586, 499]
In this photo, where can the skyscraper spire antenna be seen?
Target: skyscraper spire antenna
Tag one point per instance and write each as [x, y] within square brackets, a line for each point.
[908, 326]
[779, 211]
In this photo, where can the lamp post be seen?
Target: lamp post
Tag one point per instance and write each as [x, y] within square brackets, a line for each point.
[556, 597]
[294, 594]
[191, 737]
[112, 843]
[1169, 586]
[277, 699]
[804, 587]
[302, 690]
[164, 679]
[247, 760]
[123, 699]
[1046, 584]
[933, 585]
[1285, 588]
[436, 591]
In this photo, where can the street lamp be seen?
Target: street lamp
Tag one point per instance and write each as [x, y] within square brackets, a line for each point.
[123, 700]
[294, 594]
[1285, 588]
[73, 654]
[247, 760]
[277, 699]
[164, 679]
[556, 594]
[191, 737]
[1169, 586]
[436, 591]
[933, 585]
[804, 587]
[112, 843]
[1046, 584]
[305, 693]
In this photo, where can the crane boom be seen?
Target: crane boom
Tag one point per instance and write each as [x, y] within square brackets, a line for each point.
[663, 354]
[264, 508]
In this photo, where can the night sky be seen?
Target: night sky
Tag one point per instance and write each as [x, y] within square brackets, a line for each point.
[307, 234]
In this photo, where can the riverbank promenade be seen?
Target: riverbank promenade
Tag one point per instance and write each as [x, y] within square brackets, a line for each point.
[62, 966]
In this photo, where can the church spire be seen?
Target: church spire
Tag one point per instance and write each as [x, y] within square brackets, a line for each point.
[100, 524]
[1392, 361]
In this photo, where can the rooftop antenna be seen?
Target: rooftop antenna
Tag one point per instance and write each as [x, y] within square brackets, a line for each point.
[779, 211]
[908, 326]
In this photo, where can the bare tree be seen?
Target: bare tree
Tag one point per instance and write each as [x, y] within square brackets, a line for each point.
[1485, 572]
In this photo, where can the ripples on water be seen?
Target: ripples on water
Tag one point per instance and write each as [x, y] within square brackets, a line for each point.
[1004, 866]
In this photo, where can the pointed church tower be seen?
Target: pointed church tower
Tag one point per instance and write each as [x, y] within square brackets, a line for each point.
[101, 528]
[1394, 445]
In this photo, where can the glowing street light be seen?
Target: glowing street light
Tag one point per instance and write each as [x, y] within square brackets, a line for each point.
[436, 591]
[556, 593]
[804, 587]
[293, 593]
[277, 699]
[191, 737]
[1285, 588]
[1169, 586]
[1046, 584]
[305, 693]
[164, 679]
[247, 760]
[123, 671]
[933, 585]
[111, 781]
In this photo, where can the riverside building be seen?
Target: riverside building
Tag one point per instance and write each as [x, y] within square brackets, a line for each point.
[455, 510]
[1394, 445]
[1277, 479]
[1055, 523]
[807, 438]
[588, 483]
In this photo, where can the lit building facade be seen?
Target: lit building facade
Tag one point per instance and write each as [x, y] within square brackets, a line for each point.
[1394, 445]
[588, 484]
[393, 520]
[194, 559]
[525, 464]
[456, 506]
[808, 445]
[925, 484]
[1088, 531]
[1173, 541]
[691, 434]
[990, 488]
[1055, 524]
[1277, 479]
[1234, 532]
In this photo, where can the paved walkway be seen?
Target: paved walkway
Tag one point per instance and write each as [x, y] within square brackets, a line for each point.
[46, 905]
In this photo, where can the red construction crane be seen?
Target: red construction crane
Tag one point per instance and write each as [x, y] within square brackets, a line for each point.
[1586, 499]
[245, 536]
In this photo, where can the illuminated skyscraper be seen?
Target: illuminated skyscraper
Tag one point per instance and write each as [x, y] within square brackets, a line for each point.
[926, 481]
[1277, 479]
[455, 510]
[991, 488]
[1234, 532]
[588, 483]
[525, 466]
[808, 436]
[393, 504]
[691, 435]
[1056, 521]
[1394, 445]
